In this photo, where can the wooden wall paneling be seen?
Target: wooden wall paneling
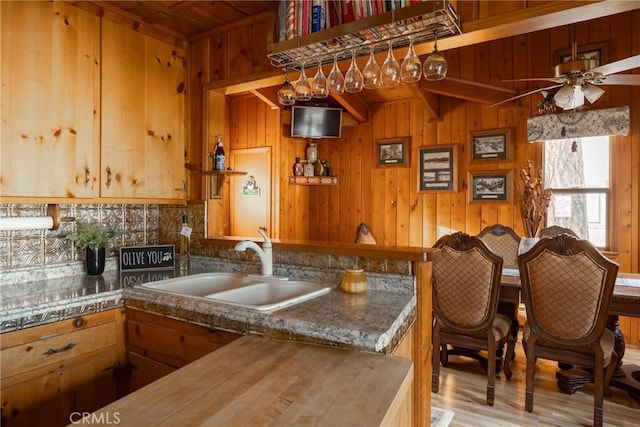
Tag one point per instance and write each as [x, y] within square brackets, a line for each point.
[416, 133]
[443, 200]
[197, 149]
[240, 51]
[259, 60]
[377, 113]
[459, 136]
[219, 65]
[635, 167]
[357, 146]
[390, 179]
[473, 217]
[333, 209]
[369, 160]
[344, 202]
[403, 202]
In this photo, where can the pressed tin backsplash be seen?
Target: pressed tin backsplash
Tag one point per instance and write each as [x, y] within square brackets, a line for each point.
[142, 225]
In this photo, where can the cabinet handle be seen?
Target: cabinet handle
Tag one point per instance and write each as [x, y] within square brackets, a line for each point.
[108, 183]
[87, 174]
[60, 350]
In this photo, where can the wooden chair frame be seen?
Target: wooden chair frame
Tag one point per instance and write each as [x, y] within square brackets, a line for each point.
[446, 331]
[547, 345]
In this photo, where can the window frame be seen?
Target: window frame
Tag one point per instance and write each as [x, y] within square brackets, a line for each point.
[610, 224]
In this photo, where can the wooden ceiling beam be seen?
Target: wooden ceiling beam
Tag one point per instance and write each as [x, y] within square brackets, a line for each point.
[354, 104]
[429, 99]
[468, 90]
[267, 95]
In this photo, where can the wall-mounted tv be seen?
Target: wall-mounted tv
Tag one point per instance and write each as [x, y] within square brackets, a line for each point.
[316, 122]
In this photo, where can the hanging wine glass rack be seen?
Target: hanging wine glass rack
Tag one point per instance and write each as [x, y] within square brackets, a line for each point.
[421, 21]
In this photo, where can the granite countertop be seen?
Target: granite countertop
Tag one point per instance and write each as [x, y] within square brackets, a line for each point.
[373, 321]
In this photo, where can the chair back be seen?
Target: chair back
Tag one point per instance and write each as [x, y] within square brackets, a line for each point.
[567, 286]
[466, 283]
[556, 230]
[504, 242]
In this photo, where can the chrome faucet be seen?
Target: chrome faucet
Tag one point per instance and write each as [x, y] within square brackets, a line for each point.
[265, 253]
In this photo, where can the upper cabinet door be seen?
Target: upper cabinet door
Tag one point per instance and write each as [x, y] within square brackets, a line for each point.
[143, 116]
[50, 101]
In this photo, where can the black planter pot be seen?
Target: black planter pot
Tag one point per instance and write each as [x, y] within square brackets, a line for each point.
[95, 259]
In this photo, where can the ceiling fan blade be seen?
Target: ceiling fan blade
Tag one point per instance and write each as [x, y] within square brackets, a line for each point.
[618, 66]
[539, 79]
[621, 79]
[525, 94]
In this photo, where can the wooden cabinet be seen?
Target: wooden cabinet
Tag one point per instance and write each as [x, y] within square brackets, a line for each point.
[159, 345]
[51, 371]
[50, 100]
[91, 110]
[143, 116]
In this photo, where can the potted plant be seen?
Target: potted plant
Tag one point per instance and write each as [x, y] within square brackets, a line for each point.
[95, 239]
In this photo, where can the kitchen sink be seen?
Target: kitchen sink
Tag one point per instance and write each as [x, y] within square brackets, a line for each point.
[263, 293]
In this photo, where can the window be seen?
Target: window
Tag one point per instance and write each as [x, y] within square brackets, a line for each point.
[577, 171]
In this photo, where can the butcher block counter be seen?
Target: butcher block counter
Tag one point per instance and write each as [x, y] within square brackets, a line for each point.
[263, 381]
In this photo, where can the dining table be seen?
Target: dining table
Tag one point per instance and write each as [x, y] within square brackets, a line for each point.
[625, 301]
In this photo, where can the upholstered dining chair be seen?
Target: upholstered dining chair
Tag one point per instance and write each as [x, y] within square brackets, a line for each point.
[555, 230]
[567, 286]
[504, 242]
[466, 285]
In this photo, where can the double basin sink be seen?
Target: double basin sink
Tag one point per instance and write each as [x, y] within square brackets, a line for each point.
[263, 293]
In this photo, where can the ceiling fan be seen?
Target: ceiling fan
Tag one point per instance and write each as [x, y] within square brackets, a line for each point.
[580, 78]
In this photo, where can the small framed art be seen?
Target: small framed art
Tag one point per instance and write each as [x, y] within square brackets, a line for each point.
[491, 145]
[438, 168]
[491, 186]
[393, 151]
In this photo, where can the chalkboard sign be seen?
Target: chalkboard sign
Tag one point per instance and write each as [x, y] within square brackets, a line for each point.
[141, 257]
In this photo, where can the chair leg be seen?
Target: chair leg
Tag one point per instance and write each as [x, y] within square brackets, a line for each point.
[598, 392]
[508, 358]
[608, 374]
[531, 368]
[491, 371]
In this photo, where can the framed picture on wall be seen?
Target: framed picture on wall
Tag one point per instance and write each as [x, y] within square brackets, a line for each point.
[438, 168]
[494, 145]
[393, 151]
[594, 51]
[491, 186]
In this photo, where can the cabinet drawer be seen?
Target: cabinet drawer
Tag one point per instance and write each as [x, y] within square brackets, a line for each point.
[56, 349]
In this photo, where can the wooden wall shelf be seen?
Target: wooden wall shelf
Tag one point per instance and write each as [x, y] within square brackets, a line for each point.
[217, 181]
[313, 180]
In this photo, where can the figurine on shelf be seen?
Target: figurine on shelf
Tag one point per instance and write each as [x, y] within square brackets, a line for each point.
[298, 169]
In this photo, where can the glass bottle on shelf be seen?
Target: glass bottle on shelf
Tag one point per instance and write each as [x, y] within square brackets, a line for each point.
[312, 152]
[218, 155]
[298, 169]
[185, 256]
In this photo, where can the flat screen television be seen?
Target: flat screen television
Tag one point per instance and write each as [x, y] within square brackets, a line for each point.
[316, 122]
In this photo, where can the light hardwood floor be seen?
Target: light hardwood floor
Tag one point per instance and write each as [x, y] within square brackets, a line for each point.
[463, 390]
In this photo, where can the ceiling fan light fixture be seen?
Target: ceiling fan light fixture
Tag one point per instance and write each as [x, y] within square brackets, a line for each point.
[435, 66]
[592, 92]
[564, 96]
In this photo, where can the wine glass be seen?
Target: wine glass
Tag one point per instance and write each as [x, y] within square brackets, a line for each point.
[287, 93]
[319, 85]
[303, 88]
[390, 71]
[335, 80]
[353, 80]
[411, 68]
[371, 72]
